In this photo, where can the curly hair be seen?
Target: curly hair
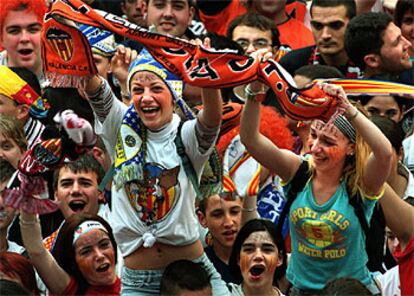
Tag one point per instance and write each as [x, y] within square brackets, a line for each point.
[37, 6]
[272, 125]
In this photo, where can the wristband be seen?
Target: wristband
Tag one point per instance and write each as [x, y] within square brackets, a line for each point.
[353, 116]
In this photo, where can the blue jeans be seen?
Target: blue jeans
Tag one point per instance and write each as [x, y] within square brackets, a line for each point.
[147, 282]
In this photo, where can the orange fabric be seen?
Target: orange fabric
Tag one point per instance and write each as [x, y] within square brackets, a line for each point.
[219, 23]
[48, 242]
[295, 34]
[195, 64]
[297, 10]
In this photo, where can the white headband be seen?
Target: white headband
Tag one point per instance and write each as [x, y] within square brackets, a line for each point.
[85, 227]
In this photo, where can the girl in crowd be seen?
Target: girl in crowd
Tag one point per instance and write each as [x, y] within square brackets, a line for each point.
[17, 268]
[84, 256]
[153, 198]
[325, 231]
[258, 259]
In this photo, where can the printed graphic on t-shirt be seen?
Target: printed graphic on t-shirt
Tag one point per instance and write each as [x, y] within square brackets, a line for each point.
[154, 196]
[320, 234]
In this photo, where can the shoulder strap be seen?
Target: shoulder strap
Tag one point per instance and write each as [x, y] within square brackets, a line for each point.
[188, 166]
[356, 203]
[296, 185]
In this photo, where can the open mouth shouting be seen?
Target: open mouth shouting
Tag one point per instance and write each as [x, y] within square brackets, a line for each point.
[77, 206]
[256, 271]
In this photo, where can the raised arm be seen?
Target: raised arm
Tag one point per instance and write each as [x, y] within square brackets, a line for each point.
[399, 216]
[54, 277]
[279, 161]
[212, 103]
[378, 165]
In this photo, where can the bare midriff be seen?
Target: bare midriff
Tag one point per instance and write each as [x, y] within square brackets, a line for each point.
[160, 255]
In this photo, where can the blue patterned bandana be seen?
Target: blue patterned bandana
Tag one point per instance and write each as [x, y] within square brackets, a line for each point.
[102, 42]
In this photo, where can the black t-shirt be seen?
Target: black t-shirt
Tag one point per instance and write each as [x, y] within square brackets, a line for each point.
[310, 56]
[222, 268]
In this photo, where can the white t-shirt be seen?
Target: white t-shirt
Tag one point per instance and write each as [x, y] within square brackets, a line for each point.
[176, 223]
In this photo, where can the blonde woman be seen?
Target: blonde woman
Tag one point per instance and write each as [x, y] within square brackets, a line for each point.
[348, 155]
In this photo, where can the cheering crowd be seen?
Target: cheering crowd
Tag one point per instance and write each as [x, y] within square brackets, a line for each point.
[133, 180]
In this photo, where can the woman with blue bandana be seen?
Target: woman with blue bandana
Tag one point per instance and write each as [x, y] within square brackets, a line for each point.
[153, 200]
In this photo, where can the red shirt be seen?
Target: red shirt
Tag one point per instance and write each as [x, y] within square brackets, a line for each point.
[112, 290]
[293, 33]
[405, 259]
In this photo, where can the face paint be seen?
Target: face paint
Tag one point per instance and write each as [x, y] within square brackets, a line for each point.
[258, 259]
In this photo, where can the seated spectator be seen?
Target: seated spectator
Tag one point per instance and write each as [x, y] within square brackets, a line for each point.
[184, 277]
[83, 260]
[258, 259]
[7, 214]
[20, 27]
[19, 269]
[19, 88]
[375, 44]
[221, 216]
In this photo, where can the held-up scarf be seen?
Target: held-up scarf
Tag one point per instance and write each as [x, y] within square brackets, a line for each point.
[66, 52]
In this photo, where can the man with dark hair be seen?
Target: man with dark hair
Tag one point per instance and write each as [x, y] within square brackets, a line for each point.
[329, 19]
[132, 9]
[183, 277]
[252, 31]
[254, 24]
[375, 44]
[222, 218]
[76, 189]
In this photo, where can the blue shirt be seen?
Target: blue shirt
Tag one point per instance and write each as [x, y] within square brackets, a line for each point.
[327, 240]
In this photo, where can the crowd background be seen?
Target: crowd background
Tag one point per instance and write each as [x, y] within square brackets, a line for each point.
[307, 207]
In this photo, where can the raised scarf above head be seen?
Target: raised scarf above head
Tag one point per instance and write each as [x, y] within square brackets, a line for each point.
[67, 52]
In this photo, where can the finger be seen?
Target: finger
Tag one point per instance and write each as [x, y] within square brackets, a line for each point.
[207, 42]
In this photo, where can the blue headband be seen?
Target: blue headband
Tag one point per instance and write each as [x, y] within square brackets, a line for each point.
[145, 62]
[102, 42]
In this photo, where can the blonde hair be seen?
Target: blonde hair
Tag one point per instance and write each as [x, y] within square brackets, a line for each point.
[354, 166]
[12, 128]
